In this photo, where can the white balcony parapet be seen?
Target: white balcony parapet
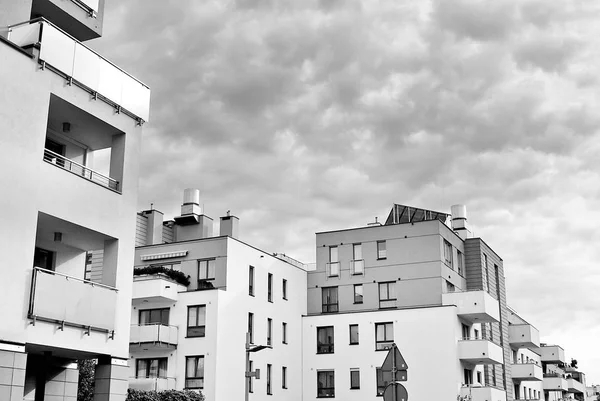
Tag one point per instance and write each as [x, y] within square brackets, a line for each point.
[474, 306]
[552, 353]
[555, 382]
[474, 393]
[155, 287]
[575, 386]
[527, 372]
[152, 383]
[80, 170]
[70, 301]
[83, 67]
[157, 334]
[524, 336]
[480, 352]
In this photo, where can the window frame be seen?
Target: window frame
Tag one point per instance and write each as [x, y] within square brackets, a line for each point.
[386, 343]
[202, 327]
[269, 379]
[331, 272]
[270, 287]
[329, 347]
[387, 300]
[207, 278]
[187, 377]
[148, 361]
[357, 334]
[328, 307]
[381, 251]
[460, 262]
[448, 254]
[356, 259]
[329, 391]
[284, 333]
[251, 327]
[284, 377]
[361, 293]
[161, 310]
[352, 379]
[269, 331]
[251, 280]
[284, 289]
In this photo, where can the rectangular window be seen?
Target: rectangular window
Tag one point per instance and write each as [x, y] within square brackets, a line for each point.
[325, 340]
[353, 334]
[358, 293]
[151, 368]
[154, 316]
[283, 377]
[251, 280]
[354, 379]
[87, 272]
[206, 269]
[196, 321]
[269, 379]
[358, 264]
[460, 261]
[325, 384]
[269, 331]
[465, 332]
[284, 288]
[448, 254]
[383, 379]
[334, 262]
[468, 376]
[387, 295]
[251, 327]
[43, 258]
[270, 287]
[330, 299]
[284, 333]
[486, 279]
[250, 383]
[384, 335]
[381, 250]
[450, 287]
[194, 372]
[479, 377]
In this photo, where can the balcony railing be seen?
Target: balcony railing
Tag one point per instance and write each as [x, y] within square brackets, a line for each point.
[475, 306]
[70, 301]
[480, 351]
[333, 269]
[80, 170]
[82, 66]
[358, 266]
[152, 383]
[158, 334]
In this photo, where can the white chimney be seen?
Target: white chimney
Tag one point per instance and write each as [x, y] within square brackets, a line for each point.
[191, 202]
[459, 221]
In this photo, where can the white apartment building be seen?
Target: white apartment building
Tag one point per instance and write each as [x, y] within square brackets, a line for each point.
[70, 128]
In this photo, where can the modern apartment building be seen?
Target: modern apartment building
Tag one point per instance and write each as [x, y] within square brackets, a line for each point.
[191, 333]
[562, 380]
[70, 128]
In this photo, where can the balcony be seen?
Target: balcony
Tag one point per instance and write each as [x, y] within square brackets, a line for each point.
[552, 354]
[152, 336]
[527, 372]
[70, 301]
[152, 383]
[523, 336]
[483, 393]
[155, 288]
[555, 382]
[575, 386]
[473, 306]
[480, 352]
[80, 170]
[81, 66]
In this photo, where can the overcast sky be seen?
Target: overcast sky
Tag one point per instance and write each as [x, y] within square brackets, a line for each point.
[303, 116]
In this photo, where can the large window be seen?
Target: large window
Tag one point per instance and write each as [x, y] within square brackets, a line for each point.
[284, 333]
[384, 335]
[325, 384]
[383, 379]
[269, 331]
[381, 250]
[358, 264]
[206, 269]
[251, 327]
[154, 316]
[353, 334]
[151, 368]
[325, 340]
[251, 280]
[196, 321]
[270, 287]
[330, 299]
[194, 372]
[358, 293]
[387, 294]
[354, 379]
[269, 390]
[334, 262]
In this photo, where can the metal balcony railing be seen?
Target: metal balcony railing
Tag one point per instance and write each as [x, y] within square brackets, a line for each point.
[80, 170]
[153, 333]
[358, 266]
[333, 269]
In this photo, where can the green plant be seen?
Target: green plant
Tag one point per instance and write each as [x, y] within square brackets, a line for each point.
[175, 275]
[85, 387]
[167, 395]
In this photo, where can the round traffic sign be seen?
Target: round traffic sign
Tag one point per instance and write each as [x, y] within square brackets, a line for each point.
[395, 389]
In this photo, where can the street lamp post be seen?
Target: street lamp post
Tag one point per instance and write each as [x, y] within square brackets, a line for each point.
[248, 374]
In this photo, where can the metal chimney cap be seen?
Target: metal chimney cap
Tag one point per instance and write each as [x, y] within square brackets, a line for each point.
[458, 212]
[191, 195]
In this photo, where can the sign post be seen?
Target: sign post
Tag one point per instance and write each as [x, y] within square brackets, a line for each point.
[396, 365]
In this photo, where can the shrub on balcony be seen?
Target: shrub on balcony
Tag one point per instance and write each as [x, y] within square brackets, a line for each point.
[175, 275]
[167, 395]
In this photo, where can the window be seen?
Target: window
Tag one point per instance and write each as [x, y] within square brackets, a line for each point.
[330, 299]
[325, 340]
[479, 377]
[270, 287]
[468, 376]
[448, 254]
[151, 368]
[358, 293]
[283, 377]
[250, 369]
[251, 327]
[325, 384]
[465, 331]
[196, 321]
[387, 295]
[384, 335]
[43, 258]
[194, 372]
[284, 333]
[450, 287]
[486, 279]
[354, 379]
[334, 262]
[358, 264]
[476, 334]
[353, 334]
[269, 331]
[381, 250]
[87, 272]
[284, 288]
[251, 280]
[154, 316]
[206, 269]
[383, 379]
[460, 261]
[269, 379]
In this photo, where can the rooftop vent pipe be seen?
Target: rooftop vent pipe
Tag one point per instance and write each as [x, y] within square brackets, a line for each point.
[459, 221]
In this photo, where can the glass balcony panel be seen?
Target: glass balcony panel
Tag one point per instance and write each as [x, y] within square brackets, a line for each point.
[25, 35]
[57, 49]
[85, 68]
[152, 383]
[358, 266]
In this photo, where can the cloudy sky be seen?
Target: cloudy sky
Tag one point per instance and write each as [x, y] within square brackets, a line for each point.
[304, 116]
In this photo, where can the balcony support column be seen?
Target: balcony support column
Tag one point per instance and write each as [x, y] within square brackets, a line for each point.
[13, 362]
[112, 375]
